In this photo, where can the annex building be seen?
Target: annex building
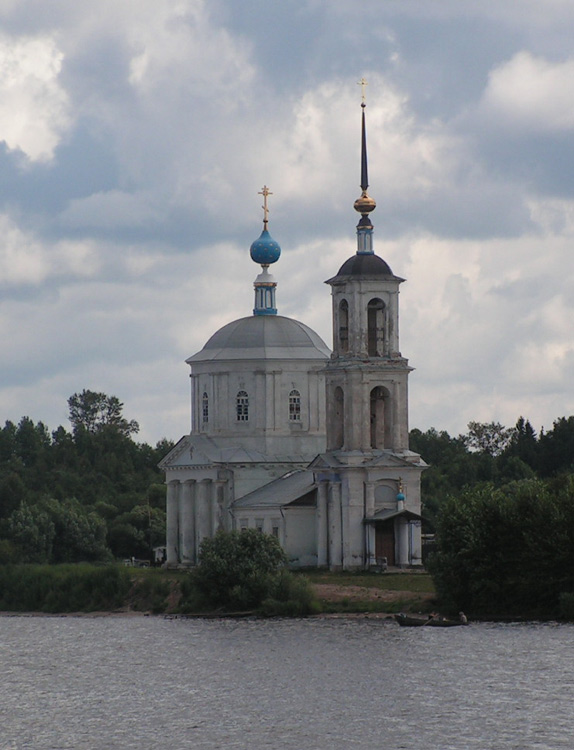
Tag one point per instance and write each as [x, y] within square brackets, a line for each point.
[295, 440]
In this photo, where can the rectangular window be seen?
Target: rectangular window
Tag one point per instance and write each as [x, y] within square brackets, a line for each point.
[259, 524]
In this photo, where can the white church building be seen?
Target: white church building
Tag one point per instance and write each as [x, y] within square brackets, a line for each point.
[295, 440]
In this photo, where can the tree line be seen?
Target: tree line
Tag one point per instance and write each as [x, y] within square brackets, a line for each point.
[91, 493]
[501, 501]
[490, 453]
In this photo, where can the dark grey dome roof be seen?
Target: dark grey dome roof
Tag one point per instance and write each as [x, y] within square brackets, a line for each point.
[365, 264]
[263, 337]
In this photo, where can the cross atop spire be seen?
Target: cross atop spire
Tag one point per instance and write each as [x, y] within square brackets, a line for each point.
[265, 192]
[363, 84]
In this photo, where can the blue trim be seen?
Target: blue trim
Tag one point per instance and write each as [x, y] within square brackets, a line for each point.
[365, 241]
[269, 311]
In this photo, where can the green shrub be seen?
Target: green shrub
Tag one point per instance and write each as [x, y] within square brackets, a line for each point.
[291, 596]
[243, 571]
[150, 591]
[506, 551]
[62, 588]
[567, 605]
[237, 569]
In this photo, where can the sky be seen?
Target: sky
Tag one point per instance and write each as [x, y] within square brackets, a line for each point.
[135, 136]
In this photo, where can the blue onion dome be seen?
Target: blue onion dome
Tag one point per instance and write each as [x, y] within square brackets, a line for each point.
[265, 250]
[400, 496]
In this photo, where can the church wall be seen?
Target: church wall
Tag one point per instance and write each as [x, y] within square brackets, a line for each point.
[265, 519]
[353, 512]
[268, 385]
[300, 542]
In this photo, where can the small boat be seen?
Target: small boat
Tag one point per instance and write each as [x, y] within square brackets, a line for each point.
[417, 621]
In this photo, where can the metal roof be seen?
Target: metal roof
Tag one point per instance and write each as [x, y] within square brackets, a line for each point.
[263, 337]
[387, 513]
[280, 492]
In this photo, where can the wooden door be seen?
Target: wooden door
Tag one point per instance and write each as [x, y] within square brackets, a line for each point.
[385, 541]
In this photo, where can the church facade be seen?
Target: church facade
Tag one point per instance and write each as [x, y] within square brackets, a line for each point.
[297, 441]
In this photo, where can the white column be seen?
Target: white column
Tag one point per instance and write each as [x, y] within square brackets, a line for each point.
[322, 525]
[335, 528]
[402, 528]
[218, 501]
[416, 556]
[203, 511]
[370, 558]
[187, 521]
[172, 523]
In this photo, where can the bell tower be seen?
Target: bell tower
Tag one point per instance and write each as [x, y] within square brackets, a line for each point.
[367, 398]
[369, 480]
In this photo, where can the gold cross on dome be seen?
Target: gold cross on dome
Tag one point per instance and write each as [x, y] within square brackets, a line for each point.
[362, 83]
[265, 192]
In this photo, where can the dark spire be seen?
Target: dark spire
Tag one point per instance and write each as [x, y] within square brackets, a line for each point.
[364, 173]
[364, 204]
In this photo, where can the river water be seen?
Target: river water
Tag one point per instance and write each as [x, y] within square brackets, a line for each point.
[149, 682]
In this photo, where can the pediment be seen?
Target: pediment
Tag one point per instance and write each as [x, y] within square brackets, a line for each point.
[199, 450]
[186, 454]
[173, 458]
[389, 459]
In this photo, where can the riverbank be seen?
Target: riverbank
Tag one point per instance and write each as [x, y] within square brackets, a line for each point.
[97, 591]
[336, 593]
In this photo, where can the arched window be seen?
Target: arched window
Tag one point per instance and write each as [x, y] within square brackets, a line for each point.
[375, 327]
[344, 326]
[205, 407]
[242, 406]
[295, 406]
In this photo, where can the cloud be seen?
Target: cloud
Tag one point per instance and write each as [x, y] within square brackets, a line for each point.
[34, 108]
[129, 192]
[27, 260]
[491, 324]
[112, 210]
[530, 93]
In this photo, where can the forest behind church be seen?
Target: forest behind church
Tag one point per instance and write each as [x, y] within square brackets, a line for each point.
[500, 499]
[501, 502]
[91, 493]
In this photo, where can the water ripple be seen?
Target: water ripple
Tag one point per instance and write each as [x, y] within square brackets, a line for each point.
[82, 683]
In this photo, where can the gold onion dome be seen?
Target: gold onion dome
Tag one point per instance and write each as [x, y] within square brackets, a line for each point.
[365, 204]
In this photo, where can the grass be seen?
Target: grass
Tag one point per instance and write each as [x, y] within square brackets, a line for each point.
[415, 581]
[358, 592]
